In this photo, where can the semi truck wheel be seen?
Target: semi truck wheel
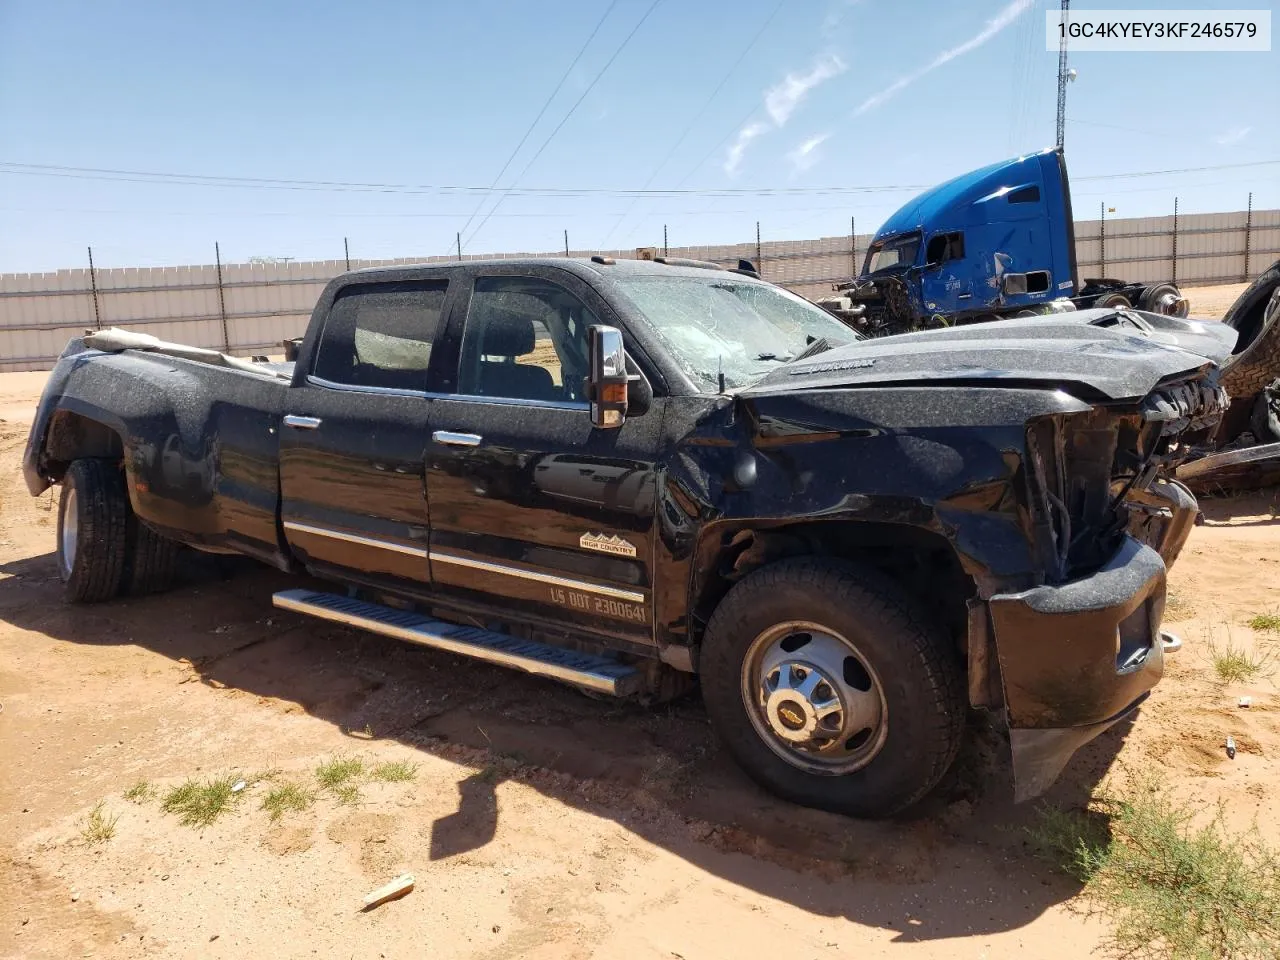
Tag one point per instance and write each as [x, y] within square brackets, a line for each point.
[1163, 298]
[150, 560]
[1115, 301]
[830, 689]
[93, 513]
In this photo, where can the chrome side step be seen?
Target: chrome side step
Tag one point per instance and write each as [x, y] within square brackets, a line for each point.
[600, 674]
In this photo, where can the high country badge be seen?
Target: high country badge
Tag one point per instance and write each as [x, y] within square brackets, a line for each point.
[606, 543]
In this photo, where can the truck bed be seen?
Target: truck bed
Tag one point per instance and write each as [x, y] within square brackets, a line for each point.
[202, 460]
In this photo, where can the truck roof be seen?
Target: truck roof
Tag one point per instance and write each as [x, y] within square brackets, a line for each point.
[582, 266]
[966, 188]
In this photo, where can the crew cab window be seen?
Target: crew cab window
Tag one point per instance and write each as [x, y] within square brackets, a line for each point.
[524, 339]
[943, 247]
[380, 334]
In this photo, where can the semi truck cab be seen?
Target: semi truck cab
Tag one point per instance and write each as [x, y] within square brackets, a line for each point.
[995, 242]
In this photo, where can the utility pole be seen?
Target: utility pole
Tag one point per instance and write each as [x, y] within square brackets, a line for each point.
[1063, 76]
[97, 311]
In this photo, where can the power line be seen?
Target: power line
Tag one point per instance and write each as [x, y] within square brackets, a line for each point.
[696, 117]
[551, 136]
[255, 214]
[339, 186]
[1163, 173]
[563, 77]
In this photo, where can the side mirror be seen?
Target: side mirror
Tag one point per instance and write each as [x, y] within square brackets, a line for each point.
[607, 379]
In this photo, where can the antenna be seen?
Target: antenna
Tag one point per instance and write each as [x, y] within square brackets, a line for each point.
[1063, 74]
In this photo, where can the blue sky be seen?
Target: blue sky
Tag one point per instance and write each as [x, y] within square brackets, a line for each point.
[807, 95]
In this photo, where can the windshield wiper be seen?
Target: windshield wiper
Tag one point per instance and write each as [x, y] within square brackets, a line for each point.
[785, 358]
[821, 345]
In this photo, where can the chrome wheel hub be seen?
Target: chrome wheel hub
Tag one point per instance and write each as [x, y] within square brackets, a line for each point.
[813, 698]
[1172, 305]
[70, 532]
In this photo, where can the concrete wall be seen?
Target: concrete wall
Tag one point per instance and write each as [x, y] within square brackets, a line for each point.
[257, 305]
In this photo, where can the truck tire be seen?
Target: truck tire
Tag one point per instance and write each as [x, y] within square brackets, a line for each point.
[1248, 314]
[150, 560]
[1163, 298]
[830, 689]
[93, 514]
[1256, 361]
[1114, 301]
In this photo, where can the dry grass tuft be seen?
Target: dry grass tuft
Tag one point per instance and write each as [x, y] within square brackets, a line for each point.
[1170, 889]
[398, 771]
[98, 827]
[200, 804]
[140, 792]
[1235, 664]
[286, 798]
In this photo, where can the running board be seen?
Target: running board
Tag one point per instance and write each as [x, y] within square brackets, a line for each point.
[591, 672]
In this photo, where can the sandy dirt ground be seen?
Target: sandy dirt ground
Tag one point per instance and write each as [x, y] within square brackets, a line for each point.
[539, 823]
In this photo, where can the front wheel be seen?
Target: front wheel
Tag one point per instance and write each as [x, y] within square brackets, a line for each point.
[830, 689]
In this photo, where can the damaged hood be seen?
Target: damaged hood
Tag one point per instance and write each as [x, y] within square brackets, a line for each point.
[1059, 352]
[1205, 338]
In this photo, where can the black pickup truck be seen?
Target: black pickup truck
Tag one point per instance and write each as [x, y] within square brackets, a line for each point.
[624, 475]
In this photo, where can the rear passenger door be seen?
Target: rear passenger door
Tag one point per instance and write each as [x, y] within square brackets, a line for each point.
[536, 514]
[354, 436]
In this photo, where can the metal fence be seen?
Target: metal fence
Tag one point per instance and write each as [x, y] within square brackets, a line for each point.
[250, 308]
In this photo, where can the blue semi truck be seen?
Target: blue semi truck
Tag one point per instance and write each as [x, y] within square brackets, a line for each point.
[996, 242]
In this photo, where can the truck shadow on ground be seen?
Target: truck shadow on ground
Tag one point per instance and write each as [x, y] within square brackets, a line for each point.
[960, 864]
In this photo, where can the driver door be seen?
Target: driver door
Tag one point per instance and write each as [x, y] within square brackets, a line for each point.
[536, 514]
[946, 286]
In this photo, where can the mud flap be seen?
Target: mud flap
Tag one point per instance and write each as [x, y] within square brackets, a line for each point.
[1039, 756]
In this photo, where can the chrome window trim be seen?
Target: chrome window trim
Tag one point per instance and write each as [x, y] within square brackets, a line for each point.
[467, 397]
[632, 596]
[511, 401]
[353, 388]
[354, 538]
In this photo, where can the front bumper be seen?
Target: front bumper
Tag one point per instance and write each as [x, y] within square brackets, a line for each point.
[1076, 658]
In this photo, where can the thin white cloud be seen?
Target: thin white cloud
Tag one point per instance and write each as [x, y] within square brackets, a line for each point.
[780, 102]
[1002, 20]
[1233, 136]
[748, 133]
[806, 153]
[782, 99]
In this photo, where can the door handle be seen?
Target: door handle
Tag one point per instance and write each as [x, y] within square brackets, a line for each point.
[301, 423]
[456, 439]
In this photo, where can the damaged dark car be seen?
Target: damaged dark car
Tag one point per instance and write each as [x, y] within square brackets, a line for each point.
[638, 476]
